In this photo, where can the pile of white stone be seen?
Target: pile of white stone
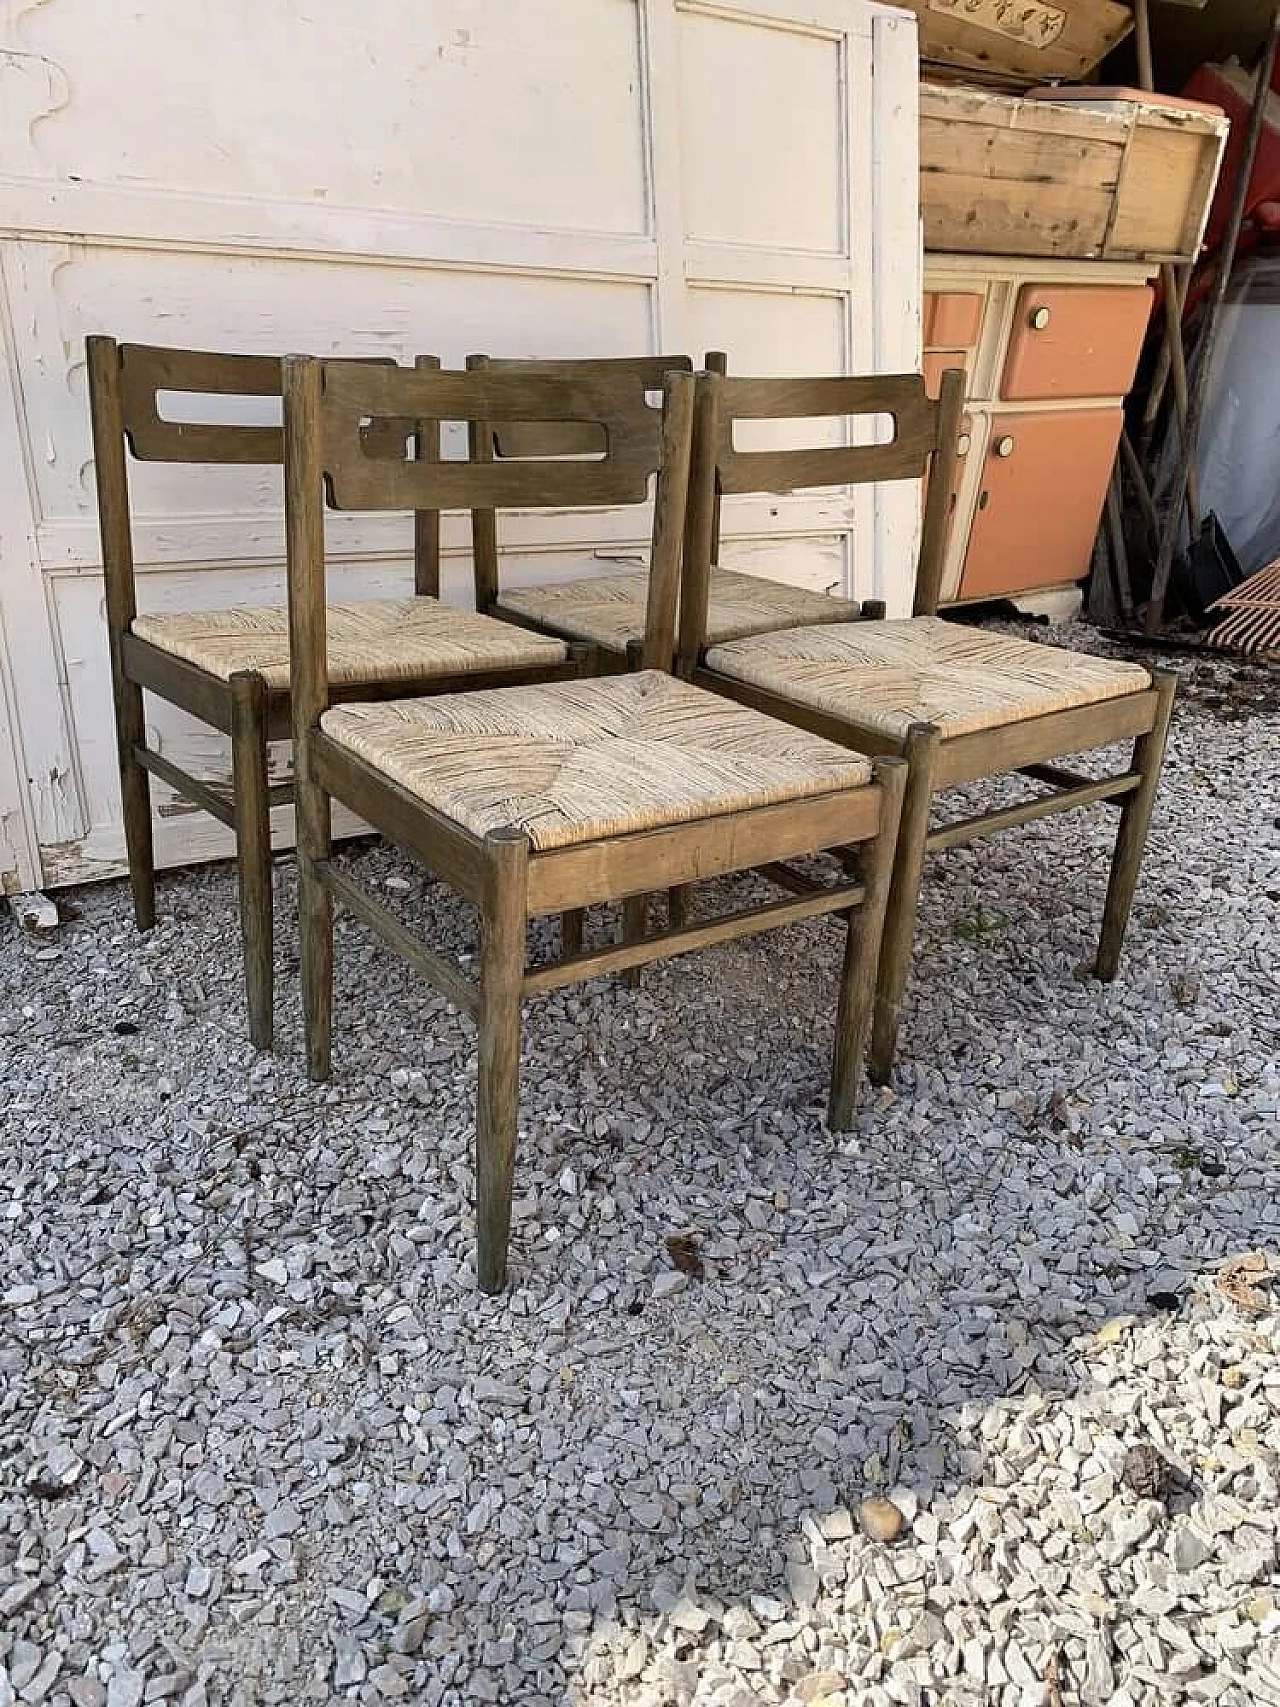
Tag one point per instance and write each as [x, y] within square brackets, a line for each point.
[978, 1403]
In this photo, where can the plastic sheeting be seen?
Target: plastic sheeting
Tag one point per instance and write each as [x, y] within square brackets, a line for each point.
[1239, 440]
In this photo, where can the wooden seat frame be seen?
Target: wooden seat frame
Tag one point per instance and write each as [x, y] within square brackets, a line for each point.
[925, 437]
[497, 441]
[508, 880]
[124, 383]
[537, 439]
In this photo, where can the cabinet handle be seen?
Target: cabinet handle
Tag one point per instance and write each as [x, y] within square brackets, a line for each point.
[1038, 318]
[962, 445]
[1004, 445]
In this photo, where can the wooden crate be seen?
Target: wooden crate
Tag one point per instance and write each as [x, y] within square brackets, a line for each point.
[1089, 173]
[1018, 45]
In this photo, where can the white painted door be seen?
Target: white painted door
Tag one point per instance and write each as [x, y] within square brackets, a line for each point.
[527, 177]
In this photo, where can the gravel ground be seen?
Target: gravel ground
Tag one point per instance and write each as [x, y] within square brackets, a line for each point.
[261, 1439]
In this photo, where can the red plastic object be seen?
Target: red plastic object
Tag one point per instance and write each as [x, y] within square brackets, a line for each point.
[1232, 88]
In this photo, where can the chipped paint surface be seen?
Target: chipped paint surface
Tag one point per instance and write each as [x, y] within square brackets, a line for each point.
[668, 232]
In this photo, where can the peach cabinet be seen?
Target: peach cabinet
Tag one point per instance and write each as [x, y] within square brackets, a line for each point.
[1049, 350]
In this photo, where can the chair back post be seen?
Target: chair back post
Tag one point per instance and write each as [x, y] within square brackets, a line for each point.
[426, 523]
[937, 504]
[669, 506]
[484, 522]
[700, 524]
[304, 540]
[716, 361]
[106, 414]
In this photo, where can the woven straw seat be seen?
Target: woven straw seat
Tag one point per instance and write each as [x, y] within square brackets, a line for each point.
[378, 641]
[609, 610]
[885, 676]
[573, 761]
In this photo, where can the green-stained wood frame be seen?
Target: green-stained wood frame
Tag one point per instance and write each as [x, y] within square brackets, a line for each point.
[924, 441]
[502, 874]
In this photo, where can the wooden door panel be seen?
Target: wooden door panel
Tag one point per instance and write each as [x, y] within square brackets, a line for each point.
[1075, 341]
[1044, 480]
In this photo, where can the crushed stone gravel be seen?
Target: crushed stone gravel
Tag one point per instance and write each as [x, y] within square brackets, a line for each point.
[261, 1439]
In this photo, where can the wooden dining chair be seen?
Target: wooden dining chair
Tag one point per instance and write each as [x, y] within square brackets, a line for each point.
[608, 611]
[230, 667]
[957, 702]
[532, 800]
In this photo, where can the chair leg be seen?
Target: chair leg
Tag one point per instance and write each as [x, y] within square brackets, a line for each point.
[502, 966]
[635, 926]
[253, 846]
[1131, 837]
[135, 796]
[572, 926]
[863, 932]
[315, 919]
[922, 749]
[678, 900]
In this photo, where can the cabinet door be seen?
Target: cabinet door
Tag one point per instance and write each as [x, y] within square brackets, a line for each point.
[1044, 478]
[951, 318]
[1075, 341]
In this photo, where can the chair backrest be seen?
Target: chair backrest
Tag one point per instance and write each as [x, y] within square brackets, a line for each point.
[327, 404]
[499, 440]
[923, 438]
[146, 370]
[125, 386]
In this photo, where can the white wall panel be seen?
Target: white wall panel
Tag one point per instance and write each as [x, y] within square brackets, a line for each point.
[526, 177]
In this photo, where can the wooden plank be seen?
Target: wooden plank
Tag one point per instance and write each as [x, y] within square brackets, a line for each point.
[999, 217]
[1164, 195]
[683, 853]
[203, 695]
[1028, 155]
[730, 927]
[354, 393]
[965, 830]
[453, 985]
[992, 752]
[958, 106]
[148, 369]
[1035, 41]
[189, 787]
[1056, 776]
[1113, 176]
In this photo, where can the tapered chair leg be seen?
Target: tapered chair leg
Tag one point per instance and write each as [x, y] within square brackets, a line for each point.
[253, 846]
[135, 797]
[863, 933]
[922, 749]
[315, 921]
[1131, 837]
[502, 966]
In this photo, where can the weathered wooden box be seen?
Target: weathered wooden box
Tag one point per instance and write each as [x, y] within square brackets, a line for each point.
[1032, 41]
[1087, 173]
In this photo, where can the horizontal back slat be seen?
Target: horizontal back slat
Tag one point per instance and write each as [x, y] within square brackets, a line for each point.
[900, 396]
[547, 438]
[146, 369]
[356, 393]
